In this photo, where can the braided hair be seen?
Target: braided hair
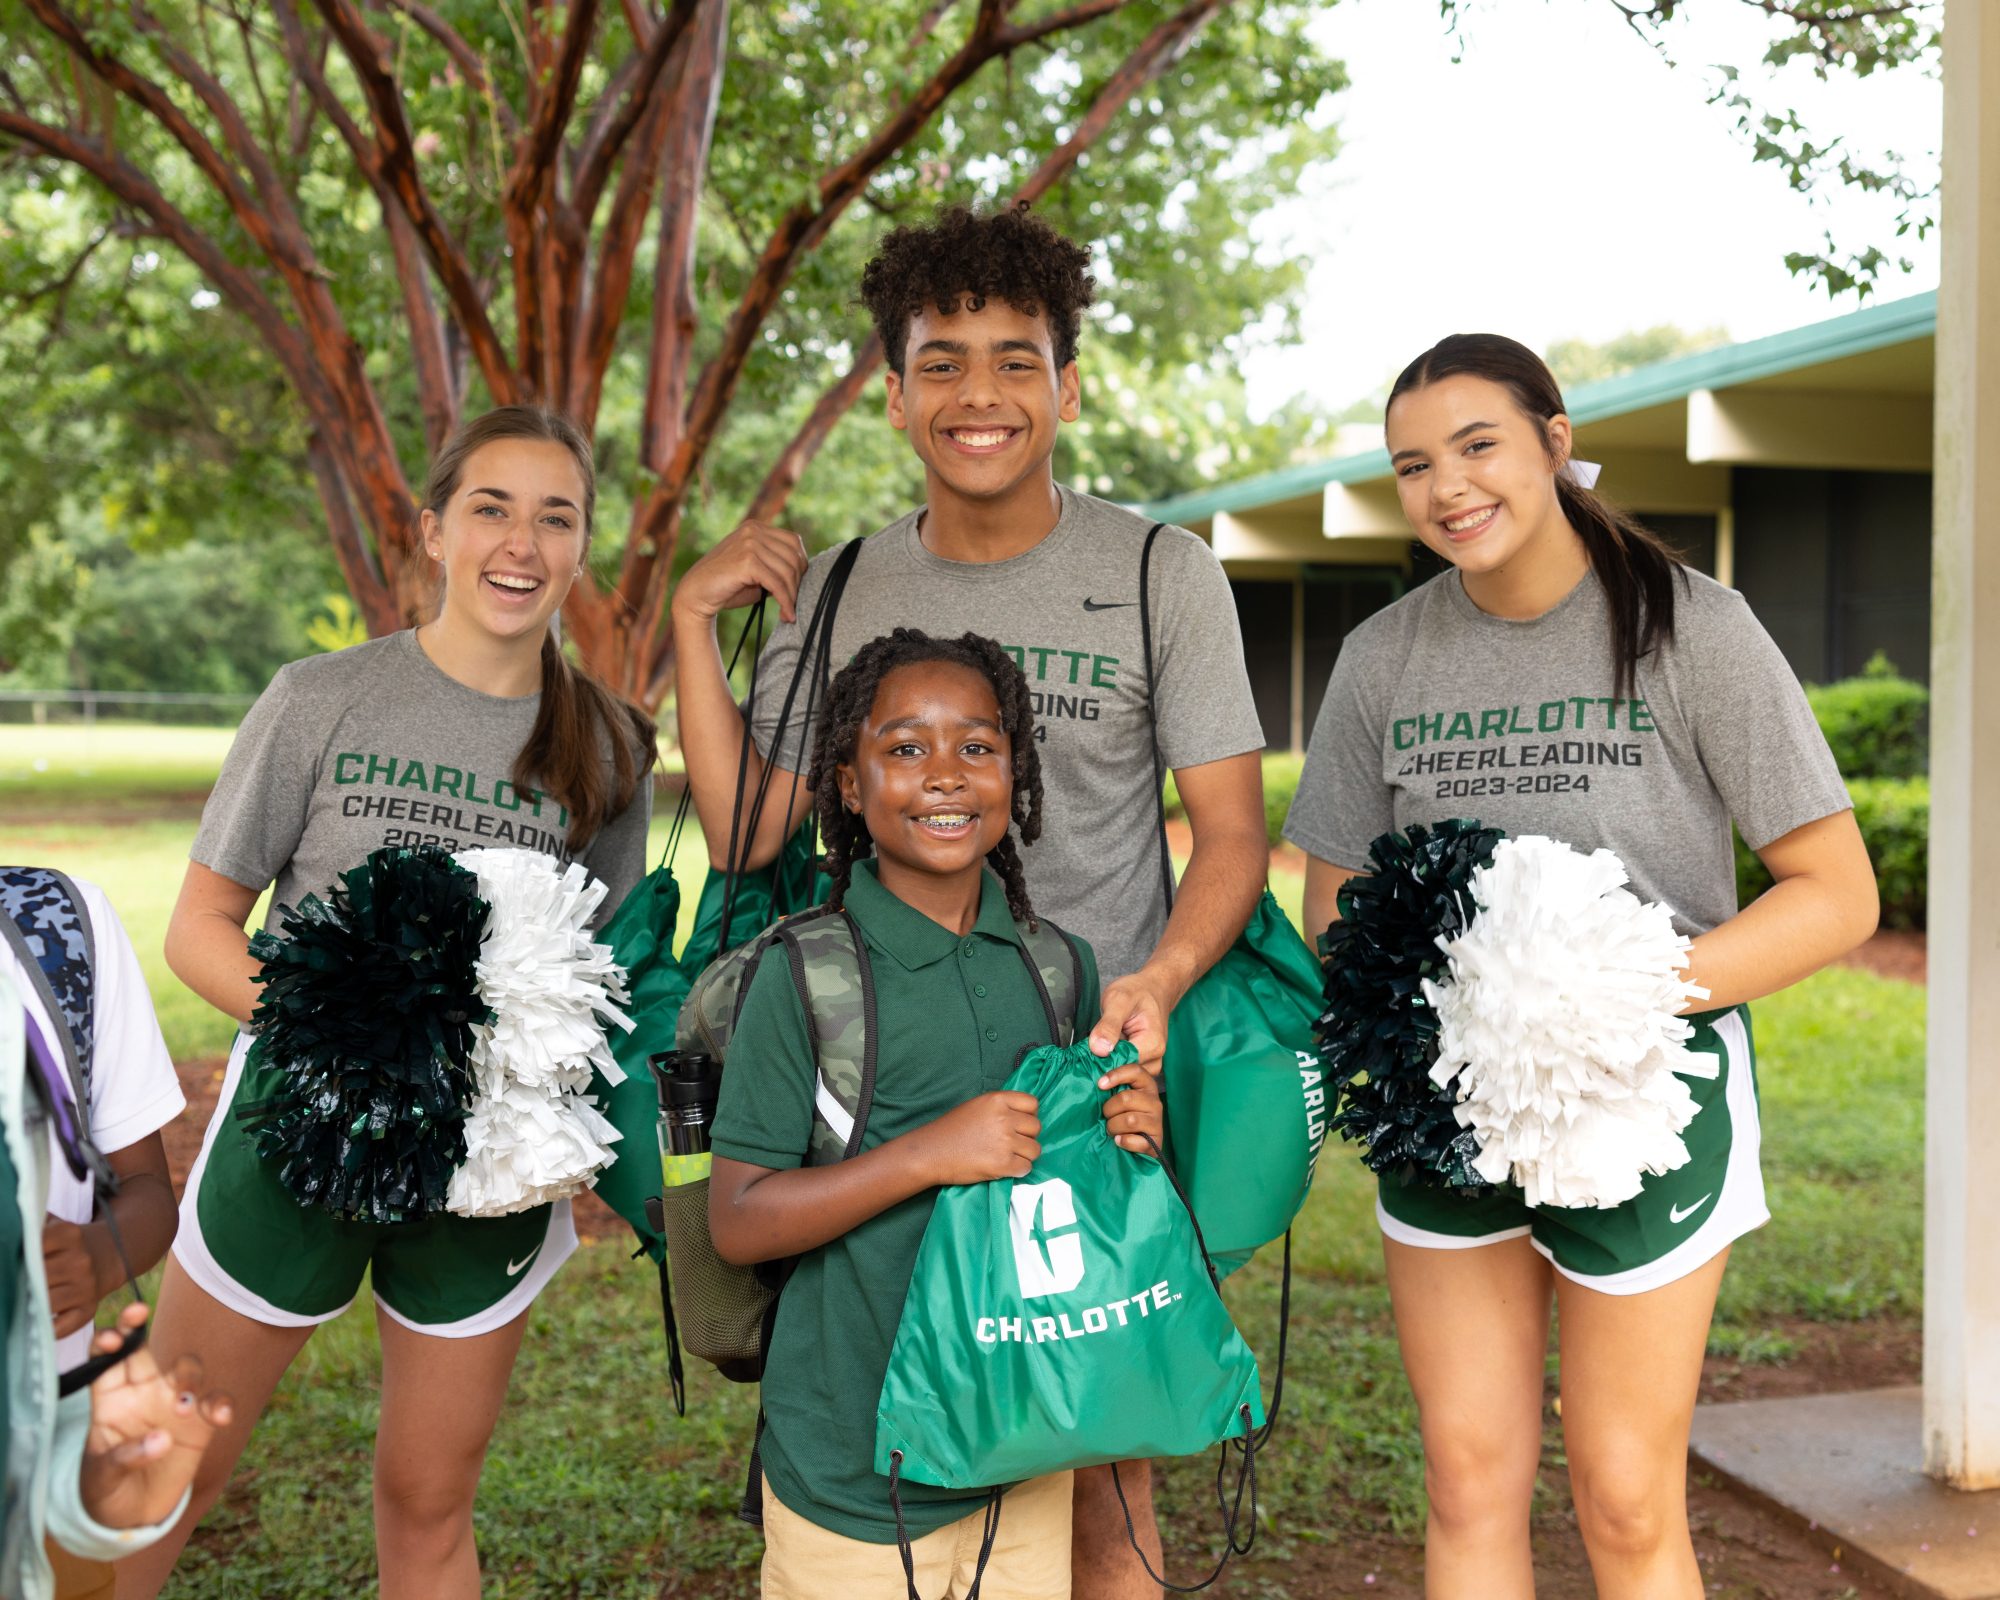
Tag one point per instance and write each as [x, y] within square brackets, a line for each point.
[850, 698]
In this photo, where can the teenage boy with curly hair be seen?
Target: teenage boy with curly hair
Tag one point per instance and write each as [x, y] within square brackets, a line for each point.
[979, 316]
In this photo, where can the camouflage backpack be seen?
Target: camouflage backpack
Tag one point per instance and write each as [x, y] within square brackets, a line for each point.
[44, 921]
[723, 1312]
[829, 963]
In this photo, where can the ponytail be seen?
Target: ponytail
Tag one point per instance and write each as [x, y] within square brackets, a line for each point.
[579, 720]
[1634, 565]
[1636, 569]
[564, 755]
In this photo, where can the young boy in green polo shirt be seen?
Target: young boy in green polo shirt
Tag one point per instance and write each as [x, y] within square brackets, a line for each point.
[925, 755]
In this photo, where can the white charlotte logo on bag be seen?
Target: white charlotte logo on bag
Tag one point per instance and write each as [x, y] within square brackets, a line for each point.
[1052, 1263]
[1048, 1262]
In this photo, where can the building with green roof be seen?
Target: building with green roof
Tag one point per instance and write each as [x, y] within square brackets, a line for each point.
[1795, 468]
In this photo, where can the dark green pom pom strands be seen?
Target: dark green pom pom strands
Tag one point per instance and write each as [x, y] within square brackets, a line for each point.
[1378, 1036]
[370, 999]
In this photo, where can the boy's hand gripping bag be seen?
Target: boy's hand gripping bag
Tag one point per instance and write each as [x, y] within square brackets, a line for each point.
[1064, 1319]
[1245, 1091]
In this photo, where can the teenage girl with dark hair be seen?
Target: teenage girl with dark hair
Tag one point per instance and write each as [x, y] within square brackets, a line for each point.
[1569, 676]
[470, 730]
[924, 767]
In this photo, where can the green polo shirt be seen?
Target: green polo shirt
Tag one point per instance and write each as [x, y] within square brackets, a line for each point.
[952, 1016]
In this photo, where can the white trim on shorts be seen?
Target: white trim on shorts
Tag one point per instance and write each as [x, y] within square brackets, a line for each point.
[1739, 1204]
[208, 1275]
[557, 1246]
[1423, 1239]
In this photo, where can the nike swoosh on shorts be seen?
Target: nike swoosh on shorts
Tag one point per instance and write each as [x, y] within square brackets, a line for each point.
[1675, 1214]
[514, 1268]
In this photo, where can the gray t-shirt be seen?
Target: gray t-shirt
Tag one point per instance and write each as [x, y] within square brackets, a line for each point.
[375, 745]
[1067, 611]
[1437, 709]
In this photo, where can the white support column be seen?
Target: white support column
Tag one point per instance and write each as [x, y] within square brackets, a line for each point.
[1962, 1190]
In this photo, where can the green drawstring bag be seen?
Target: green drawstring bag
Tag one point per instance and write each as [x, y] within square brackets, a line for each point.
[1245, 1091]
[1064, 1319]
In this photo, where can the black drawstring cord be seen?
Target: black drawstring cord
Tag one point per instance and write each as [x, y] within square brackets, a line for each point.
[902, 1533]
[1246, 1478]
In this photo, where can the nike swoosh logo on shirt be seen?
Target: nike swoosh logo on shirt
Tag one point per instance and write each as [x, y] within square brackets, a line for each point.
[514, 1267]
[1108, 605]
[1675, 1214]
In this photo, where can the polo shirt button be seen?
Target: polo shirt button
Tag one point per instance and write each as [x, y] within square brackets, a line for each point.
[967, 950]
[991, 1034]
[980, 990]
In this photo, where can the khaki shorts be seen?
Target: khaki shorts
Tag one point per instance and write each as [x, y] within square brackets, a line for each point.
[1030, 1560]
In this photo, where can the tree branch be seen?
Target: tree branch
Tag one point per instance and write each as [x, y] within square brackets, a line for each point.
[471, 66]
[601, 145]
[358, 567]
[798, 231]
[437, 394]
[368, 56]
[552, 106]
[697, 100]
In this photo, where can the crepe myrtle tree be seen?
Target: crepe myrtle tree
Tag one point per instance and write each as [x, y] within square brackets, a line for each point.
[1829, 37]
[631, 212]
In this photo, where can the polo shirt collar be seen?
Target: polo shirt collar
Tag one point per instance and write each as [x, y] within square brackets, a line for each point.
[910, 936]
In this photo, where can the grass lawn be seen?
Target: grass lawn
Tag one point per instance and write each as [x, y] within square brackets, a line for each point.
[589, 1462]
[98, 762]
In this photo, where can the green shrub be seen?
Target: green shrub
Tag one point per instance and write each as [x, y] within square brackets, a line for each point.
[1894, 814]
[1281, 782]
[1878, 724]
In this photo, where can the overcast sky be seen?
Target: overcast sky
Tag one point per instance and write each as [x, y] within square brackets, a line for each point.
[1562, 181]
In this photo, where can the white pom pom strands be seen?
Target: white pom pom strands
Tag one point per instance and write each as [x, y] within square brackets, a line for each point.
[1561, 1021]
[532, 1132]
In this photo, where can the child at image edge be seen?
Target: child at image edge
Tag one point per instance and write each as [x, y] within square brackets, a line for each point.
[926, 752]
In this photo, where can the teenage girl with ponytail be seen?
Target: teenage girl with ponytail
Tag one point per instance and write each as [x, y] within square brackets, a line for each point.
[469, 730]
[1568, 676]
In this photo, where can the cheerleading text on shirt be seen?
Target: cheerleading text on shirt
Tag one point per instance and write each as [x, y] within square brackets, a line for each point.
[387, 772]
[1090, 1320]
[1057, 669]
[1572, 714]
[448, 823]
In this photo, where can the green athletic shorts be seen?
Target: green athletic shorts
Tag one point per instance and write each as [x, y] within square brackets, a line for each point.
[250, 1245]
[1675, 1223]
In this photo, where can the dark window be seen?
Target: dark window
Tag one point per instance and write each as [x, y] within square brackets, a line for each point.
[1692, 538]
[1264, 612]
[1338, 600]
[1837, 566]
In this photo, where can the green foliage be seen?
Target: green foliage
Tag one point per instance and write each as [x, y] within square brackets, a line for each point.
[129, 396]
[194, 617]
[338, 627]
[1576, 362]
[1894, 816]
[1878, 724]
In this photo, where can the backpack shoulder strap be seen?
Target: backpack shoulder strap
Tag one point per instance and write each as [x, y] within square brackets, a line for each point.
[829, 961]
[42, 917]
[1057, 969]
